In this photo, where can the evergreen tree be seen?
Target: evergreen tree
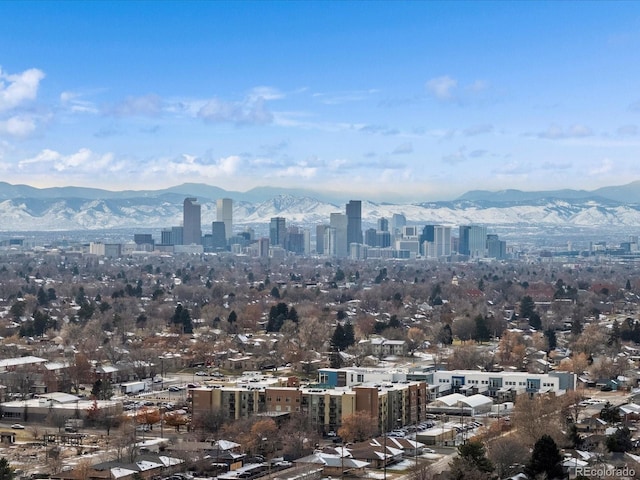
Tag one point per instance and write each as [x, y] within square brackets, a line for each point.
[349, 335]
[471, 462]
[275, 293]
[620, 441]
[445, 335]
[482, 333]
[42, 297]
[552, 341]
[277, 315]
[338, 338]
[6, 471]
[610, 413]
[527, 307]
[293, 315]
[535, 321]
[545, 459]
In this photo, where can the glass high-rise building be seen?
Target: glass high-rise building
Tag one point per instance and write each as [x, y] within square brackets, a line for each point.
[277, 231]
[191, 222]
[224, 213]
[354, 222]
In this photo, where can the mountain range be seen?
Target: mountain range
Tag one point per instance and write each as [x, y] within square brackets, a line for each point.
[26, 208]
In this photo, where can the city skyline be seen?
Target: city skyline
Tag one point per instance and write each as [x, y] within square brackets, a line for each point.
[388, 101]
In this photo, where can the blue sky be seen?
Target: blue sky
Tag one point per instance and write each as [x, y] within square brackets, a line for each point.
[395, 101]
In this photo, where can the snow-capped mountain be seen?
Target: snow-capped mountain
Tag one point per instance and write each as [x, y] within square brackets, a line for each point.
[154, 210]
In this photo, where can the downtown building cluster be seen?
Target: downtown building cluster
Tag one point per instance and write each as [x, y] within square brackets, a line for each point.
[341, 237]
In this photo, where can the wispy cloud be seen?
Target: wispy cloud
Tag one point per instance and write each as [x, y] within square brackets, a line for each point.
[75, 102]
[456, 157]
[82, 161]
[251, 111]
[627, 130]
[603, 167]
[146, 105]
[378, 129]
[477, 130]
[403, 148]
[442, 87]
[556, 132]
[342, 97]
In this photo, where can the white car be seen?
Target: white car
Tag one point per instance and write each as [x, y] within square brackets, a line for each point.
[17, 426]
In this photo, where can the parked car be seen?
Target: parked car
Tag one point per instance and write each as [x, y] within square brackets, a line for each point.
[17, 426]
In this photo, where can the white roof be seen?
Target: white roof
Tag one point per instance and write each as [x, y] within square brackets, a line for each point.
[13, 362]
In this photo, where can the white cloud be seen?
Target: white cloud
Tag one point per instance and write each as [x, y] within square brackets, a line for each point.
[82, 161]
[18, 126]
[251, 111]
[267, 93]
[192, 165]
[604, 167]
[18, 88]
[297, 171]
[73, 101]
[442, 87]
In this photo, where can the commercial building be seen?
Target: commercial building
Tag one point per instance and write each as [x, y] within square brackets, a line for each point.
[191, 222]
[277, 231]
[224, 214]
[354, 221]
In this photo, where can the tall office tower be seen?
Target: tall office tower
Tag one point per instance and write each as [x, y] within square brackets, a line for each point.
[277, 231]
[463, 239]
[339, 222]
[295, 240]
[263, 247]
[354, 221]
[383, 224]
[330, 242]
[427, 235]
[497, 248]
[397, 222]
[224, 213]
[320, 229]
[191, 219]
[307, 241]
[370, 237]
[219, 236]
[442, 241]
[473, 241]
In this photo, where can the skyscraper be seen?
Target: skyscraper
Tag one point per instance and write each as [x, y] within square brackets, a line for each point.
[277, 231]
[338, 221]
[219, 237]
[224, 213]
[191, 219]
[354, 222]
[473, 241]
